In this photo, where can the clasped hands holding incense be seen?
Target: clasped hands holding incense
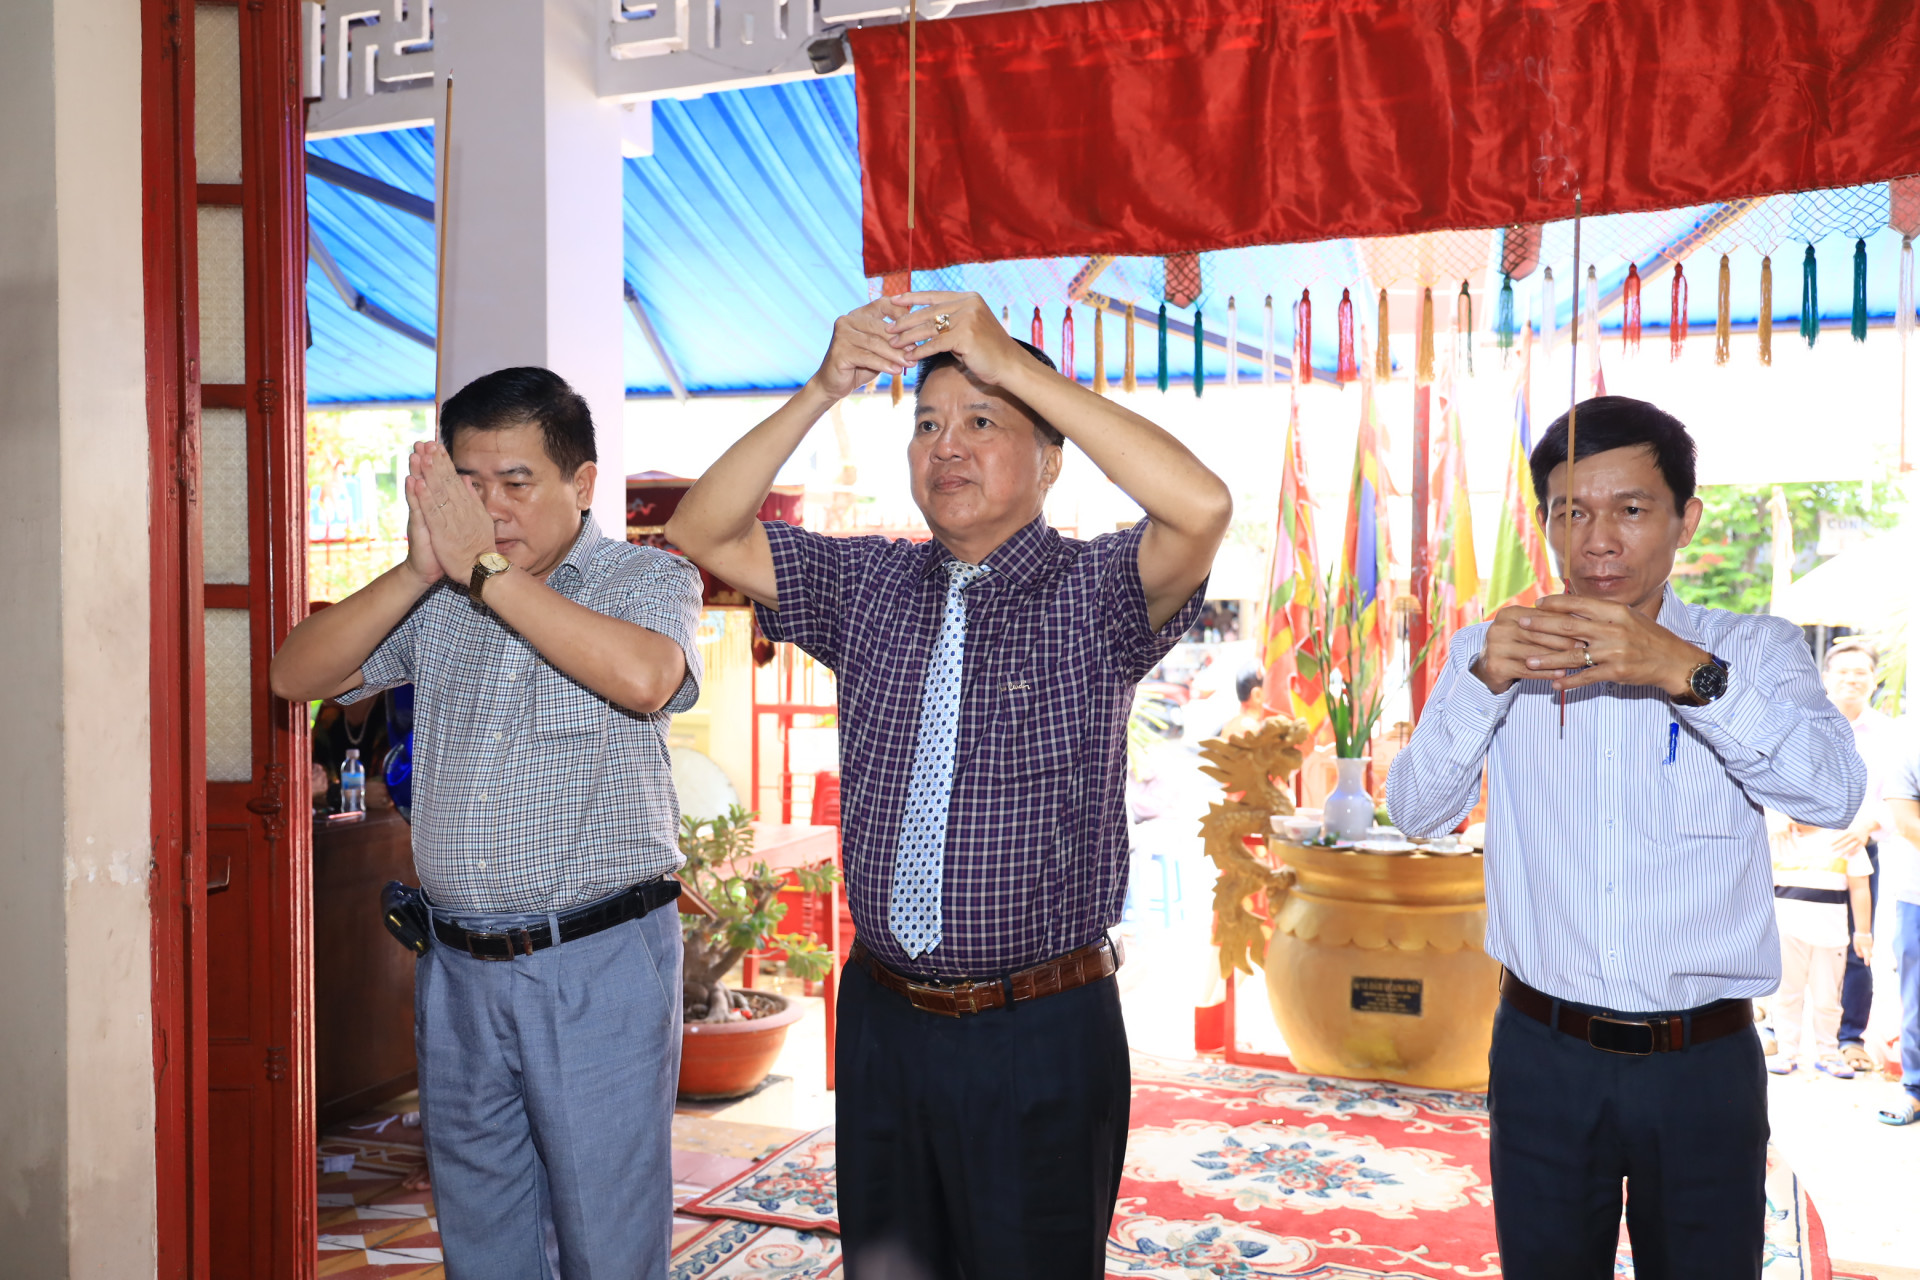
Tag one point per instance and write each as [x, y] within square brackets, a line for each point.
[1546, 642]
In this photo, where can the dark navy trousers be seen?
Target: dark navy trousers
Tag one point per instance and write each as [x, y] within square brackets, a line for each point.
[986, 1147]
[1686, 1132]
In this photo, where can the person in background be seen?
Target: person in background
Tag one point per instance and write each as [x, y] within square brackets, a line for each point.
[1902, 798]
[547, 660]
[1852, 674]
[1248, 687]
[1629, 880]
[986, 678]
[1819, 886]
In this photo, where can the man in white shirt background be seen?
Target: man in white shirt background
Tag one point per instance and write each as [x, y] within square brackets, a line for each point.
[1629, 881]
[1852, 675]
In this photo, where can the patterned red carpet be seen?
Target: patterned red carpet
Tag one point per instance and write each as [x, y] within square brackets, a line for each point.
[1231, 1174]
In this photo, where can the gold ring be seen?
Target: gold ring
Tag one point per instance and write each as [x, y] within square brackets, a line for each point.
[1588, 654]
[942, 323]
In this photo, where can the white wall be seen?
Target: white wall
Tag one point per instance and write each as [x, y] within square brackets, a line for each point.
[76, 1067]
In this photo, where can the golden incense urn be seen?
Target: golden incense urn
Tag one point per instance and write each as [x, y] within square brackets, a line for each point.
[1374, 963]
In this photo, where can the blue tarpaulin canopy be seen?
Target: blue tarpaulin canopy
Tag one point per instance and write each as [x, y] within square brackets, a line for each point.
[743, 245]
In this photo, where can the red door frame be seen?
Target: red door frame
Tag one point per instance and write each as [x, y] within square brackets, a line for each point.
[275, 804]
[177, 881]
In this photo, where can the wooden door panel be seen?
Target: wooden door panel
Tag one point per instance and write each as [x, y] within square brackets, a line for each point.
[231, 1010]
[239, 1179]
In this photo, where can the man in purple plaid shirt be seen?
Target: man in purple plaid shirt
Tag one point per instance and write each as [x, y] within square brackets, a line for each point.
[985, 682]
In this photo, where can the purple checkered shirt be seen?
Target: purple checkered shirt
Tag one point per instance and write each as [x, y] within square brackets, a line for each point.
[1057, 638]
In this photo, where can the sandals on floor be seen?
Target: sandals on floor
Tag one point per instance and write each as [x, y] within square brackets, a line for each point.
[1908, 1112]
[1857, 1057]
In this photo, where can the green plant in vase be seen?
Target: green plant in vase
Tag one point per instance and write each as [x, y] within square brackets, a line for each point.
[737, 911]
[1339, 653]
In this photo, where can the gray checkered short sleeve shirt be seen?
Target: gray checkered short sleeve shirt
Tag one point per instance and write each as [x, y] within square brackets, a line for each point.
[1057, 638]
[530, 791]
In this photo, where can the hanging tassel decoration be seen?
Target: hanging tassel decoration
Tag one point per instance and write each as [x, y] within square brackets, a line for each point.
[1039, 330]
[1199, 353]
[1303, 338]
[1549, 314]
[1346, 369]
[1160, 378]
[1677, 318]
[1382, 358]
[1723, 321]
[1859, 290]
[1503, 318]
[1423, 352]
[1766, 310]
[1266, 347]
[1630, 310]
[1809, 298]
[1593, 329]
[1067, 365]
[1463, 330]
[1100, 350]
[1128, 383]
[1233, 342]
[1903, 325]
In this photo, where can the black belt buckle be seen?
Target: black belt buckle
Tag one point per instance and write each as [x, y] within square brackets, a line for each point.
[511, 943]
[1615, 1035]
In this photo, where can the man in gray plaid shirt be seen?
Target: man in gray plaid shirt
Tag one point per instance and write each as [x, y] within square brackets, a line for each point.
[547, 660]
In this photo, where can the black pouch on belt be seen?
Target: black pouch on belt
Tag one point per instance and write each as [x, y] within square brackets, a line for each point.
[404, 909]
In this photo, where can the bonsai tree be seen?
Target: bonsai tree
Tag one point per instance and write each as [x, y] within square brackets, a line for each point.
[736, 910]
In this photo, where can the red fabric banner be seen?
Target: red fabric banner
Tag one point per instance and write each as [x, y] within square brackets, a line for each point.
[1162, 126]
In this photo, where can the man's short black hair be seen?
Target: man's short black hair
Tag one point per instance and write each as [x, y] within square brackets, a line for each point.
[515, 397]
[1249, 680]
[1619, 422]
[947, 360]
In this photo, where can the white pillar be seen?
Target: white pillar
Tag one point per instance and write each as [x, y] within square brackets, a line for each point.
[535, 239]
[77, 1171]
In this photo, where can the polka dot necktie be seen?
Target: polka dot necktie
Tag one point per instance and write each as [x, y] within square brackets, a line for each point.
[914, 915]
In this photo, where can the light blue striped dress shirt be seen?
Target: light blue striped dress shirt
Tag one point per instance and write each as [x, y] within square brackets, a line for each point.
[1615, 879]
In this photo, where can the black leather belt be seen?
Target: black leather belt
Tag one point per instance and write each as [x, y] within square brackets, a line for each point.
[1796, 893]
[1636, 1037]
[580, 922]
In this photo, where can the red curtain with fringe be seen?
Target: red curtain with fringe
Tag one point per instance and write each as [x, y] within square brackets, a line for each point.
[1161, 126]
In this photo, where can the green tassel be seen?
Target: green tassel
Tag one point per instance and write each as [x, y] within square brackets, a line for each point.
[1809, 299]
[1859, 290]
[1161, 377]
[1199, 353]
[1504, 323]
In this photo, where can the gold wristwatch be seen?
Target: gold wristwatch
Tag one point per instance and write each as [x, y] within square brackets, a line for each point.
[491, 564]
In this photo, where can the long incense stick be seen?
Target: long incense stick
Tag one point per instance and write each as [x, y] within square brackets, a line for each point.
[1573, 410]
[913, 123]
[444, 210]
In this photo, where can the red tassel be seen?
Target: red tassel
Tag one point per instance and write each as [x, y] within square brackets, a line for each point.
[1303, 338]
[1630, 310]
[1039, 330]
[1066, 345]
[1348, 369]
[1677, 325]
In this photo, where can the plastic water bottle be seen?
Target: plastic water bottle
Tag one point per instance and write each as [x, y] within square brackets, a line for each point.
[353, 783]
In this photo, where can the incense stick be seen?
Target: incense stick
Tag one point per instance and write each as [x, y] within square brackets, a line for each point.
[1573, 411]
[444, 211]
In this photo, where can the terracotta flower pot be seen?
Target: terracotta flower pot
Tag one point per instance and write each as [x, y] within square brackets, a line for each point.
[727, 1059]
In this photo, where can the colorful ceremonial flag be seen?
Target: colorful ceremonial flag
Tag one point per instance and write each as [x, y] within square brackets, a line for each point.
[1365, 554]
[1456, 573]
[1293, 589]
[1520, 573]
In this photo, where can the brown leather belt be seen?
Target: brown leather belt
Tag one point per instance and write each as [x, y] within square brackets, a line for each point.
[1636, 1037]
[1050, 977]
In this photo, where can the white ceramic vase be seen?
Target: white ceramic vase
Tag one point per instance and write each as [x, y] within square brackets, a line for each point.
[1349, 809]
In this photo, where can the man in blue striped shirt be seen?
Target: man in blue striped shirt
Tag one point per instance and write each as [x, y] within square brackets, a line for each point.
[1629, 885]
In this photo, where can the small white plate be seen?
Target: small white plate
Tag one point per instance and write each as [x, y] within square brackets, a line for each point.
[1396, 847]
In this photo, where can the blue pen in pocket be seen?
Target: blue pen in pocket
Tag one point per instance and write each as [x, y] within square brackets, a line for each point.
[1673, 740]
